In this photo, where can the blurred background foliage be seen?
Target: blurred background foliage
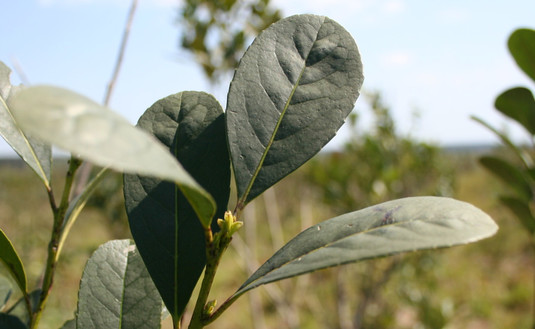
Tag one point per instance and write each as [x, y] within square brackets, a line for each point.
[217, 32]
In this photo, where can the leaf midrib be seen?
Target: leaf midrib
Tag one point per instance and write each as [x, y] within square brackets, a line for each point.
[243, 199]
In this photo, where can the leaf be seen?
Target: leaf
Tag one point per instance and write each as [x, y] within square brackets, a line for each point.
[402, 225]
[94, 133]
[166, 230]
[9, 256]
[11, 322]
[5, 291]
[509, 174]
[518, 104]
[292, 91]
[116, 290]
[34, 152]
[522, 46]
[521, 210]
[20, 308]
[521, 154]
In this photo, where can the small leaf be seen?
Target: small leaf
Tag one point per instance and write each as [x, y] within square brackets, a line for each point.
[116, 290]
[94, 133]
[509, 174]
[522, 46]
[34, 152]
[518, 104]
[521, 154]
[402, 225]
[20, 308]
[292, 91]
[169, 236]
[5, 291]
[11, 322]
[11, 259]
[521, 210]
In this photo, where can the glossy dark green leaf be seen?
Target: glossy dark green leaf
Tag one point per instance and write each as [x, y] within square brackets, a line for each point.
[518, 104]
[116, 290]
[292, 91]
[97, 134]
[167, 232]
[522, 46]
[521, 210]
[11, 322]
[34, 152]
[402, 225]
[12, 261]
[509, 174]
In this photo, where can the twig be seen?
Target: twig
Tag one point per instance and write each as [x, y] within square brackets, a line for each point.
[86, 169]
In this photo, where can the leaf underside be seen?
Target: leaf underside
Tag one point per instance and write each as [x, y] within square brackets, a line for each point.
[37, 154]
[166, 229]
[116, 290]
[292, 91]
[402, 225]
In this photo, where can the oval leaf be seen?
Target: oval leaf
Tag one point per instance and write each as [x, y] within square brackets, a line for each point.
[34, 152]
[169, 236]
[522, 46]
[9, 256]
[116, 290]
[518, 104]
[95, 133]
[292, 91]
[392, 227]
[509, 174]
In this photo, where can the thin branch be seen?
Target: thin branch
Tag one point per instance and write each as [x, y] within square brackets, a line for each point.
[86, 169]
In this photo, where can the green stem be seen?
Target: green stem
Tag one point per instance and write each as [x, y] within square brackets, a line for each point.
[215, 248]
[52, 258]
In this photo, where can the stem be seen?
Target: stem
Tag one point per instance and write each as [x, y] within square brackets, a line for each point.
[215, 248]
[52, 258]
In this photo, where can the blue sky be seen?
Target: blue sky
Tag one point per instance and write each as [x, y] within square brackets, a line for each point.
[445, 59]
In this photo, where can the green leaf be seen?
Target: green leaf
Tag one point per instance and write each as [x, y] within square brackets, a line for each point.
[521, 210]
[292, 91]
[5, 291]
[20, 308]
[518, 104]
[522, 46]
[169, 236]
[9, 256]
[509, 174]
[34, 152]
[11, 322]
[521, 154]
[116, 290]
[94, 133]
[402, 225]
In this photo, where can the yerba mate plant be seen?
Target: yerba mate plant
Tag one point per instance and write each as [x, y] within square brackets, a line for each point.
[292, 91]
